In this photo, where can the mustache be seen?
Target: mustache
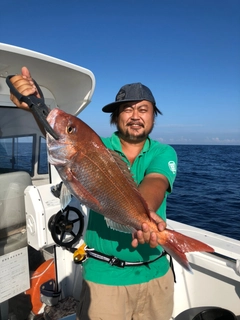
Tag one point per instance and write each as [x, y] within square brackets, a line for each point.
[135, 123]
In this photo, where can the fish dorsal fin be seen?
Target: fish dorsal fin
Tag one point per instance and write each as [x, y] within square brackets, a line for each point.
[119, 227]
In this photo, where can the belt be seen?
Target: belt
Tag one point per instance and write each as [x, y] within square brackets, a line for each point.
[83, 252]
[114, 261]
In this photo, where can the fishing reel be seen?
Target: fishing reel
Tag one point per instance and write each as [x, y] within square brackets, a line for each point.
[66, 226]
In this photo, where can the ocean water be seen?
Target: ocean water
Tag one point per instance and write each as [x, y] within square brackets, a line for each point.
[206, 192]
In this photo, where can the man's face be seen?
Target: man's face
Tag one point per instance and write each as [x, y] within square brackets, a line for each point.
[135, 120]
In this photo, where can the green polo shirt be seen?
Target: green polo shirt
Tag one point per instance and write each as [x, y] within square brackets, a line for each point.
[154, 158]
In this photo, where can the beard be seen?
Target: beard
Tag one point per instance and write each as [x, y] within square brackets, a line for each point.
[126, 135]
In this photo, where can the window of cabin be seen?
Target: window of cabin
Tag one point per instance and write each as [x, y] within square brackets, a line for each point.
[17, 154]
[42, 159]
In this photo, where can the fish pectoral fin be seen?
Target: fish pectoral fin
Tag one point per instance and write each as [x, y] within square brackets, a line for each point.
[65, 197]
[119, 227]
[87, 199]
[82, 193]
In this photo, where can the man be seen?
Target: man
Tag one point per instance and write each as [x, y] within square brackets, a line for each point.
[143, 289]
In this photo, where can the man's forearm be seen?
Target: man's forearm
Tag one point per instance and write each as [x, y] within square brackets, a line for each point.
[153, 188]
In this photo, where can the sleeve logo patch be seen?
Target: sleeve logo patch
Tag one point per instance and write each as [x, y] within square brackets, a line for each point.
[172, 166]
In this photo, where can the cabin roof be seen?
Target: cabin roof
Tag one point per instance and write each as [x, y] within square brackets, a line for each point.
[72, 86]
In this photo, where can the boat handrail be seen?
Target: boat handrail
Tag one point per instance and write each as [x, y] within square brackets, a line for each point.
[234, 261]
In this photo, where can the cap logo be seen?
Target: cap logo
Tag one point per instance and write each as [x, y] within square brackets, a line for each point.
[121, 95]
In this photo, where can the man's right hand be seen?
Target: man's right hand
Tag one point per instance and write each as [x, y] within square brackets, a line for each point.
[25, 85]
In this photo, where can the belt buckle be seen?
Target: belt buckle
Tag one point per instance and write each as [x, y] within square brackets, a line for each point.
[80, 254]
[116, 262]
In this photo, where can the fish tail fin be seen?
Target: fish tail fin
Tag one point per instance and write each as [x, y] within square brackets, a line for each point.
[176, 244]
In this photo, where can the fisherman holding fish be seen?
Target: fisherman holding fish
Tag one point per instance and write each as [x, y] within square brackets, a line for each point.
[130, 276]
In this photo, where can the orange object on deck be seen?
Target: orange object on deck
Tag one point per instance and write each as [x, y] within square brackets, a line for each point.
[42, 274]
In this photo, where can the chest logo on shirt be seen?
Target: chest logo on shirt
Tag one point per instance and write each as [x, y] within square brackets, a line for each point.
[172, 166]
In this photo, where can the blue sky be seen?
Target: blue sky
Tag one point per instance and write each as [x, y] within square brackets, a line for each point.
[186, 51]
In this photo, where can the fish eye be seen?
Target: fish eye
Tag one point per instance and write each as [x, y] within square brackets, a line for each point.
[70, 129]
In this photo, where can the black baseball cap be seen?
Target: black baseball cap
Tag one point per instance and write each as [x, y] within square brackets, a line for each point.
[131, 92]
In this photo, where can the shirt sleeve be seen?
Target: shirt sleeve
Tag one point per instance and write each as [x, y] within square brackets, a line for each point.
[164, 162]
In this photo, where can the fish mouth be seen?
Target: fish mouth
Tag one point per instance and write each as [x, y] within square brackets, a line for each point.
[56, 150]
[50, 139]
[51, 118]
[56, 161]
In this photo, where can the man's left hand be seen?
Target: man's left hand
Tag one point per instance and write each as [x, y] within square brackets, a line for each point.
[145, 235]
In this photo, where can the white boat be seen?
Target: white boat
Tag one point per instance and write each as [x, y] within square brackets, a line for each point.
[30, 215]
